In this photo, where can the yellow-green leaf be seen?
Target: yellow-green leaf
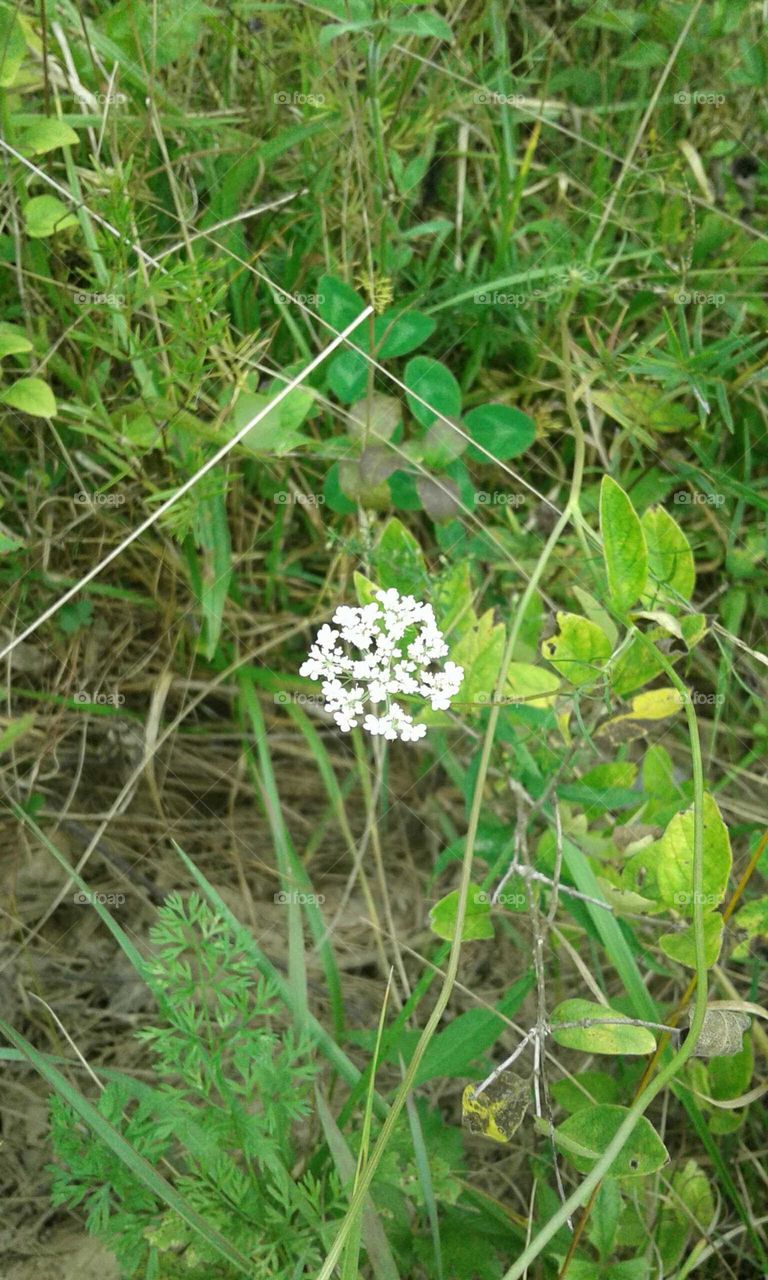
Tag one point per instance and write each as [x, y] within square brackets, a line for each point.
[47, 135]
[477, 918]
[32, 396]
[675, 866]
[13, 340]
[45, 216]
[624, 549]
[531, 686]
[670, 559]
[617, 1037]
[681, 946]
[579, 650]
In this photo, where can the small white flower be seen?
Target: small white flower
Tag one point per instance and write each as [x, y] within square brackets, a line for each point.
[389, 660]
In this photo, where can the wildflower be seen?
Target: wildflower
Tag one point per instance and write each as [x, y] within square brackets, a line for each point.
[398, 650]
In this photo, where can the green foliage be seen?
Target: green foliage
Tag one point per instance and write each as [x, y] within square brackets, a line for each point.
[236, 1085]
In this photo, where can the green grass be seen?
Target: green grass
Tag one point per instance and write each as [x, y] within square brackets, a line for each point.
[560, 212]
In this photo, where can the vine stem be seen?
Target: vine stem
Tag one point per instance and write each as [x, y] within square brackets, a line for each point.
[444, 995]
[644, 1100]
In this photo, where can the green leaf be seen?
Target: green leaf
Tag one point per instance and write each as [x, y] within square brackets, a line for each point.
[12, 47]
[752, 919]
[477, 919]
[479, 651]
[334, 495]
[443, 442]
[348, 376]
[505, 432]
[604, 1220]
[45, 215]
[681, 946]
[638, 664]
[675, 867]
[396, 334]
[624, 549]
[277, 432]
[730, 1074]
[379, 414]
[614, 1038]
[32, 396]
[13, 340]
[47, 135]
[691, 1184]
[454, 1051]
[530, 685]
[579, 650]
[15, 729]
[434, 383]
[584, 1136]
[399, 561]
[670, 559]
[73, 617]
[340, 304]
[428, 25]
[568, 1094]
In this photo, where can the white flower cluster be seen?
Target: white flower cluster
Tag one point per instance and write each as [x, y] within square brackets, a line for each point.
[400, 648]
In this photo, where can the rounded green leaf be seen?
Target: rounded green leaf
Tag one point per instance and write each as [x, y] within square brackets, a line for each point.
[604, 1037]
[405, 495]
[670, 559]
[348, 376]
[32, 396]
[45, 215]
[13, 340]
[436, 385]
[579, 650]
[477, 919]
[332, 492]
[675, 863]
[503, 431]
[338, 304]
[378, 414]
[682, 946]
[584, 1136]
[397, 335]
[624, 549]
[12, 47]
[47, 135]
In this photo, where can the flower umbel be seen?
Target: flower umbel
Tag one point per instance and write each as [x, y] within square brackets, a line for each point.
[372, 653]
